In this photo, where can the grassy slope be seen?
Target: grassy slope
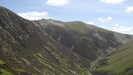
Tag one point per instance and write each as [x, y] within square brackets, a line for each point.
[42, 55]
[82, 27]
[78, 27]
[4, 71]
[30, 54]
[119, 62]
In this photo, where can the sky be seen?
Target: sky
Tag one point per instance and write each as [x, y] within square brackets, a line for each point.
[115, 15]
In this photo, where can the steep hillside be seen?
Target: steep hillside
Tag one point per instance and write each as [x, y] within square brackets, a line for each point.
[49, 47]
[26, 50]
[86, 40]
[119, 62]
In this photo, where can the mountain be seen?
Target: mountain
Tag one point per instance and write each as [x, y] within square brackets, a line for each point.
[50, 47]
[118, 62]
[86, 40]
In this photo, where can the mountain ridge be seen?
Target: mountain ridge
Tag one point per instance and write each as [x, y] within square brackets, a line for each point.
[48, 48]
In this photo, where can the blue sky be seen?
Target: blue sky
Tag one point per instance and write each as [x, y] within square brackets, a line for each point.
[116, 15]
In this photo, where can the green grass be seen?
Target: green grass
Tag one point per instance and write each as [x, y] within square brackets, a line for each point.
[78, 27]
[18, 69]
[34, 74]
[121, 61]
[2, 62]
[5, 72]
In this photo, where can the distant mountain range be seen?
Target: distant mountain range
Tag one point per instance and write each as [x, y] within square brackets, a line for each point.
[50, 47]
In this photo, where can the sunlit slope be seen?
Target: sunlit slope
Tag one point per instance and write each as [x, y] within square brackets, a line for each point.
[119, 62]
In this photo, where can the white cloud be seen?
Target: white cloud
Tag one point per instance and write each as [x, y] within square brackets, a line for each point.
[90, 22]
[34, 15]
[129, 9]
[103, 20]
[122, 29]
[57, 2]
[112, 1]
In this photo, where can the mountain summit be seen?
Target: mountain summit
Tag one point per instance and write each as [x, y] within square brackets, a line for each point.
[50, 47]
